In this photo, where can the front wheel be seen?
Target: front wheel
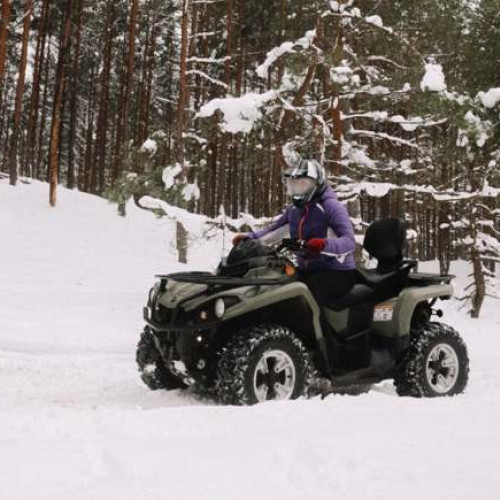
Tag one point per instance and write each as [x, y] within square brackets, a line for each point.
[263, 363]
[436, 365]
[153, 371]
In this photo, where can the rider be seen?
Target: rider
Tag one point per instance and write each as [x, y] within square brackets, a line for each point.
[319, 219]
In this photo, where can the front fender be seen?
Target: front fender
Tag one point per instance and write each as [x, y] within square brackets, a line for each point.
[275, 295]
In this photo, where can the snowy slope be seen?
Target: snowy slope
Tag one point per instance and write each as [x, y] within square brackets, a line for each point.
[75, 422]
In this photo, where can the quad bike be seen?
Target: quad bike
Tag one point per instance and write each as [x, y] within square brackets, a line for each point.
[253, 332]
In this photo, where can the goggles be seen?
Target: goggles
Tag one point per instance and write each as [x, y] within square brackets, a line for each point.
[300, 186]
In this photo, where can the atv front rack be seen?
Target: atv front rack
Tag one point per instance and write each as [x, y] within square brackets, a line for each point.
[222, 281]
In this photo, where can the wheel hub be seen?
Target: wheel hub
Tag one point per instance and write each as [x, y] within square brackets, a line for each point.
[274, 377]
[442, 368]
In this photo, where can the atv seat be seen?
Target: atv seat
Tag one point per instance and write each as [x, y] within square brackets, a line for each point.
[375, 279]
[358, 294]
[385, 240]
[372, 277]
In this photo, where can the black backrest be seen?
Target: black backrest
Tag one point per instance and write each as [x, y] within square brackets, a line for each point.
[385, 240]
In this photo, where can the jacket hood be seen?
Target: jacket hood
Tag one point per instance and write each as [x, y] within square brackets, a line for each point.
[327, 194]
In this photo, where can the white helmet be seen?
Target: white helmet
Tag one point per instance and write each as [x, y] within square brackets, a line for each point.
[304, 180]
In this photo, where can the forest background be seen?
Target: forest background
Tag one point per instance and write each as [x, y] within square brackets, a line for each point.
[203, 103]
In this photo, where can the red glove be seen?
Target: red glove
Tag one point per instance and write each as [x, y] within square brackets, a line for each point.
[315, 245]
[239, 238]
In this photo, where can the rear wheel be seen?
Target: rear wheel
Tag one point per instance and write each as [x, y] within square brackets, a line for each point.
[437, 363]
[263, 363]
[153, 371]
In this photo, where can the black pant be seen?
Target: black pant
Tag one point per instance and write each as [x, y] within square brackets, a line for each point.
[328, 285]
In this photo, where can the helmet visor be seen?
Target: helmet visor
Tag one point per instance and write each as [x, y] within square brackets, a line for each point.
[301, 186]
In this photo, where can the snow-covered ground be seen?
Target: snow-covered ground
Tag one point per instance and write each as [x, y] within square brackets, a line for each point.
[75, 421]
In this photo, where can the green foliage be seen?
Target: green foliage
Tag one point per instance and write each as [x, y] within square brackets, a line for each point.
[145, 177]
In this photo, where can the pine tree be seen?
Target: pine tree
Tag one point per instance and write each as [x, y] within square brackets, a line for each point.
[4, 30]
[16, 128]
[61, 78]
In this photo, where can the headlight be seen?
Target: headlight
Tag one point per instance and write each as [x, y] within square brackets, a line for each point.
[214, 310]
[220, 308]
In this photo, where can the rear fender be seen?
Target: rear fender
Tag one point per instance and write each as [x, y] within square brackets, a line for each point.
[404, 308]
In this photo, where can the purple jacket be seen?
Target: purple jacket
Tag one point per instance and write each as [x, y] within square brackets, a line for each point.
[323, 217]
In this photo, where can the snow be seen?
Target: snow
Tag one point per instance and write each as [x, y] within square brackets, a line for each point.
[409, 124]
[359, 157]
[30, 63]
[240, 113]
[193, 223]
[307, 40]
[378, 23]
[272, 56]
[285, 48]
[382, 135]
[191, 192]
[336, 6]
[342, 73]
[375, 20]
[340, 6]
[77, 423]
[405, 166]
[379, 189]
[149, 146]
[379, 90]
[479, 128]
[434, 79]
[169, 175]
[215, 81]
[490, 98]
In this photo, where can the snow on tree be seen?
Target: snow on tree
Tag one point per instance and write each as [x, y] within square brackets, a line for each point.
[478, 205]
[433, 80]
[491, 98]
[370, 118]
[400, 100]
[340, 102]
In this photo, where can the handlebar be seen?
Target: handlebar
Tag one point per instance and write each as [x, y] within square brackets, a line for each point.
[290, 244]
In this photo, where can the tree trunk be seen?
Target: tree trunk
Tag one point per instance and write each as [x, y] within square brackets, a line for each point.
[130, 69]
[139, 122]
[74, 109]
[149, 77]
[181, 242]
[19, 94]
[183, 87]
[288, 115]
[55, 129]
[4, 30]
[30, 163]
[85, 180]
[39, 144]
[122, 133]
[97, 175]
[335, 112]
